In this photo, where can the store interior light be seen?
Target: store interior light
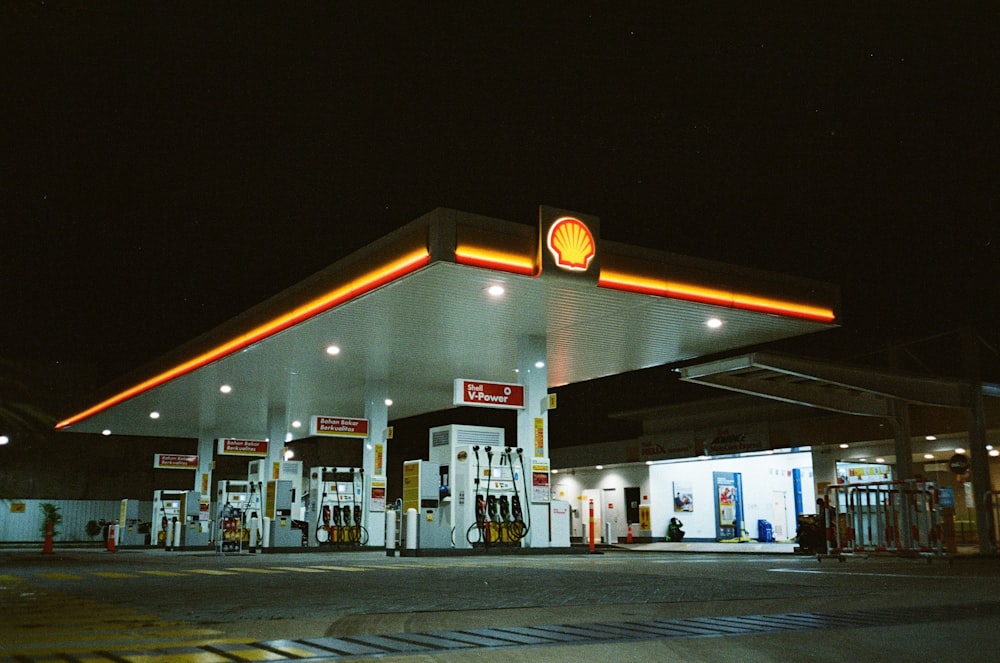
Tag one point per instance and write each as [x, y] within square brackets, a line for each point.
[959, 450]
[844, 445]
[4, 439]
[555, 471]
[599, 467]
[929, 456]
[995, 452]
[931, 438]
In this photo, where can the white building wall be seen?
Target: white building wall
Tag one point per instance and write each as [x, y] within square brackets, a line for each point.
[762, 477]
[570, 486]
[21, 520]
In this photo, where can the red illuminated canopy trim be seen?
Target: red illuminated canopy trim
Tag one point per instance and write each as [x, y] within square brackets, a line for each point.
[704, 295]
[351, 290]
[496, 260]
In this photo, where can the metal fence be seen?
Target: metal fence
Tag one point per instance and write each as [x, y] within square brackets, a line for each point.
[21, 520]
[891, 517]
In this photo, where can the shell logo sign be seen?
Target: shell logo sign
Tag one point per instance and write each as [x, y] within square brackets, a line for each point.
[571, 244]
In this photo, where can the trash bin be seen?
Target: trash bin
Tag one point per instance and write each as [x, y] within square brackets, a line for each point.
[765, 533]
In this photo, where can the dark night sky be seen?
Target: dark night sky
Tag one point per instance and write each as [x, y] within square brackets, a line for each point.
[166, 169]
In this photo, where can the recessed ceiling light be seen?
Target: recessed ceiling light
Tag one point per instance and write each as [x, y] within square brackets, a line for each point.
[296, 424]
[388, 402]
[154, 415]
[289, 454]
[4, 440]
[713, 323]
[225, 389]
[106, 432]
[495, 290]
[539, 364]
[332, 350]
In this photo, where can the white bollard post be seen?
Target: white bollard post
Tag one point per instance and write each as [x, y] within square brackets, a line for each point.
[390, 533]
[411, 531]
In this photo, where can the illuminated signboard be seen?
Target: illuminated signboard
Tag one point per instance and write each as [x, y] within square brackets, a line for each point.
[232, 447]
[567, 244]
[175, 462]
[488, 394]
[340, 426]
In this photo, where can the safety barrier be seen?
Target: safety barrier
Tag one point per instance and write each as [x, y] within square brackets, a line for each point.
[891, 517]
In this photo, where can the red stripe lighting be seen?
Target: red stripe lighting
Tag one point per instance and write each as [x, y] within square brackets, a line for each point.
[696, 293]
[496, 260]
[345, 293]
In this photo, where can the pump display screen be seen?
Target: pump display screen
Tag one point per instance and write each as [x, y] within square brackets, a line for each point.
[238, 497]
[172, 504]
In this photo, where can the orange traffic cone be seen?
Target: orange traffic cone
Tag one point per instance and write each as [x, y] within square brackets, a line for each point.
[47, 545]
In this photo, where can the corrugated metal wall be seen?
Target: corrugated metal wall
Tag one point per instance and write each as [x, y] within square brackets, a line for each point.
[21, 520]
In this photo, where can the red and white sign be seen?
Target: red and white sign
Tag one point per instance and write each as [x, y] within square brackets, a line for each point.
[340, 426]
[571, 244]
[175, 462]
[233, 447]
[488, 394]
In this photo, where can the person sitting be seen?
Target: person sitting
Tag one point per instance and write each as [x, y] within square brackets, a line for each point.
[674, 531]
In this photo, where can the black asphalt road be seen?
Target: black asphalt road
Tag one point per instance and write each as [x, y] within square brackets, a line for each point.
[200, 607]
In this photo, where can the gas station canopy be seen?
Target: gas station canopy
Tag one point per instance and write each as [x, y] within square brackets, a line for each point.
[451, 295]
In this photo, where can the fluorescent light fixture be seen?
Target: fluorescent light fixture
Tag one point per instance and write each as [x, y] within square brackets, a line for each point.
[930, 438]
[599, 467]
[844, 445]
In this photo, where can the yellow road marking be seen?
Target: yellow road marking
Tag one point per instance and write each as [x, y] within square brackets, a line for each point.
[247, 569]
[298, 569]
[114, 574]
[174, 655]
[163, 573]
[246, 652]
[336, 568]
[60, 576]
[213, 572]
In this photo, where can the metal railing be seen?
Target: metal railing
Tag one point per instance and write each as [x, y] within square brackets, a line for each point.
[890, 517]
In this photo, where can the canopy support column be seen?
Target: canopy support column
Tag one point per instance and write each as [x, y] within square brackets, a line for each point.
[374, 460]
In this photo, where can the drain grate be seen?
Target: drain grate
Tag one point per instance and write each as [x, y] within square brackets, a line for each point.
[347, 647]
[697, 627]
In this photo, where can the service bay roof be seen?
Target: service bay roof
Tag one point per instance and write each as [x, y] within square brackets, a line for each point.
[413, 311]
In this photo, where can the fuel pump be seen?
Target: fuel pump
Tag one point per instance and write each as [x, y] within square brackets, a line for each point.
[232, 500]
[177, 520]
[336, 506]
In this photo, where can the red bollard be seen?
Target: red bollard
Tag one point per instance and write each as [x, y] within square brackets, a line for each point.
[111, 537]
[47, 545]
[628, 539]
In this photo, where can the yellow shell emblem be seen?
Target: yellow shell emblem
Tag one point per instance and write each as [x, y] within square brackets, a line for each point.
[571, 244]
